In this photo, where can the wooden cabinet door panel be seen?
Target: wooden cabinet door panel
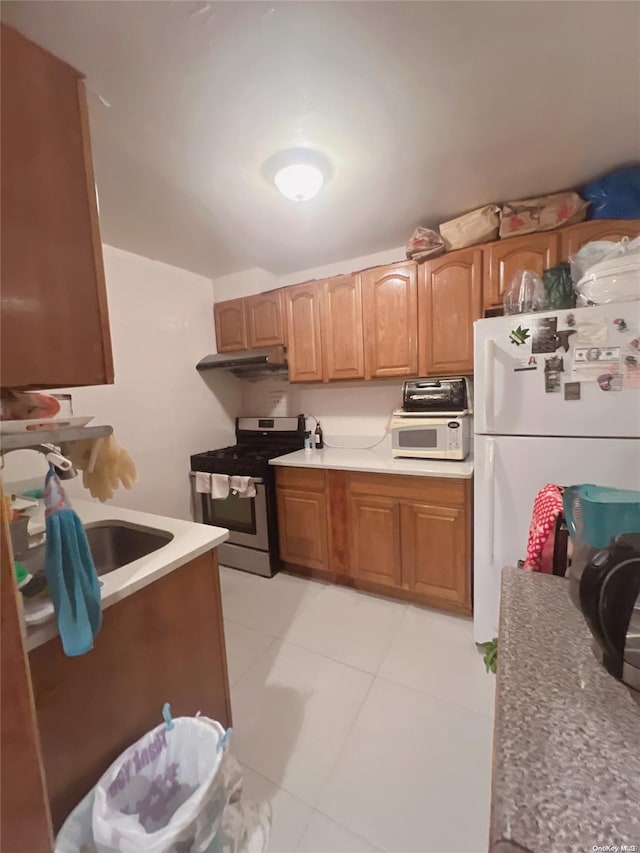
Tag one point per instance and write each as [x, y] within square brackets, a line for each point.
[302, 523]
[304, 346]
[504, 258]
[231, 325]
[574, 237]
[55, 322]
[342, 333]
[390, 301]
[449, 301]
[435, 551]
[375, 539]
[265, 319]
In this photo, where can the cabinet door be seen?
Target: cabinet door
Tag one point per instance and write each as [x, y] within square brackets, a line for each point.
[231, 325]
[449, 300]
[435, 552]
[375, 539]
[302, 523]
[304, 347]
[504, 258]
[55, 322]
[265, 319]
[390, 300]
[342, 334]
[574, 237]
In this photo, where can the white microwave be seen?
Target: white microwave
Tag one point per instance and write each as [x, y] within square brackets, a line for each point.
[430, 438]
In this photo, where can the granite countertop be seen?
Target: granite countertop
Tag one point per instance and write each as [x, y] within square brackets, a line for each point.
[189, 541]
[566, 771]
[376, 461]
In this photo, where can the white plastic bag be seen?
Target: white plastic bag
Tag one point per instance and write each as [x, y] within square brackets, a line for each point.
[165, 793]
[526, 293]
[607, 272]
[244, 828]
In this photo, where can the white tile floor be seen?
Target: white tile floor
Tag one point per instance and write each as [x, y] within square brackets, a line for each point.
[365, 722]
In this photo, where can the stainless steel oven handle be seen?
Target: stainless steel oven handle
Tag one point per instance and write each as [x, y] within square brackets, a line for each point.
[257, 481]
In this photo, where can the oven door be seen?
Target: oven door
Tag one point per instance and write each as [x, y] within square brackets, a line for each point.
[423, 439]
[244, 518]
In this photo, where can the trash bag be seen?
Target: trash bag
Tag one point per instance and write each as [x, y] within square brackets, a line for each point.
[558, 287]
[608, 272]
[616, 195]
[526, 293]
[165, 793]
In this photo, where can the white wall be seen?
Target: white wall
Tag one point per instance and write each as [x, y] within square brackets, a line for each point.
[358, 410]
[161, 408]
[257, 280]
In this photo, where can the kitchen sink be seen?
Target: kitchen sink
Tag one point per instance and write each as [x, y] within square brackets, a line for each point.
[113, 544]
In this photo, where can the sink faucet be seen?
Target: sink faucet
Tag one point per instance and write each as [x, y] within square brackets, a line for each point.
[64, 467]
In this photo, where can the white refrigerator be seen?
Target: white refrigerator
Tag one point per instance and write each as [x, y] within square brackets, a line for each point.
[557, 400]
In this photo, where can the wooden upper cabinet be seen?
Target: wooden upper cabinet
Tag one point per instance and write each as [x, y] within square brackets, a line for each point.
[265, 319]
[435, 552]
[390, 310]
[231, 325]
[304, 345]
[504, 258]
[342, 333]
[449, 301]
[55, 322]
[574, 237]
[375, 539]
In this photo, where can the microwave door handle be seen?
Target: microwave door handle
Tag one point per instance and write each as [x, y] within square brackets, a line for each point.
[489, 383]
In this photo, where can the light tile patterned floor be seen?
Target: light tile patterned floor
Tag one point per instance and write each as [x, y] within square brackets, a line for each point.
[364, 721]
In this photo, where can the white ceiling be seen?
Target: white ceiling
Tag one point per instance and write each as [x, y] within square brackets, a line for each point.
[425, 109]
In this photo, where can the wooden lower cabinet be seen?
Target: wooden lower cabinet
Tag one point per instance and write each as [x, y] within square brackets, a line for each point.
[302, 522]
[403, 536]
[435, 550]
[375, 540]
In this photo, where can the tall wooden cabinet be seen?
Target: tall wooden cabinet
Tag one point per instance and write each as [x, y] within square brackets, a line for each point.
[265, 319]
[449, 301]
[302, 308]
[230, 319]
[54, 316]
[390, 302]
[342, 334]
[504, 258]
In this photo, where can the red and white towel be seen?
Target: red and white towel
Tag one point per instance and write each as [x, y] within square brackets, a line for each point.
[540, 544]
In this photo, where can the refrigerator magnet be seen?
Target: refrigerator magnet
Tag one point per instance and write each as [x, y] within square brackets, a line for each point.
[572, 391]
[610, 381]
[562, 338]
[632, 370]
[544, 335]
[525, 362]
[519, 336]
[553, 368]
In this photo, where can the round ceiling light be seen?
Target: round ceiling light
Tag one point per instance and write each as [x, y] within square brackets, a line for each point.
[299, 182]
[298, 173]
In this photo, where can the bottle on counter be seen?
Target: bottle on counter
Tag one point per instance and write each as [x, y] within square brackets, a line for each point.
[318, 438]
[307, 440]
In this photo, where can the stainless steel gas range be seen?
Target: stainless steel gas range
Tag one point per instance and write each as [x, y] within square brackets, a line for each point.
[251, 521]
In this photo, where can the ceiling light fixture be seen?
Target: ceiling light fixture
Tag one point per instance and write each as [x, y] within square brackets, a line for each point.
[298, 173]
[299, 182]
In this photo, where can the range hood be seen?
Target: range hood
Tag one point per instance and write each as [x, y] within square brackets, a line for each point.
[253, 364]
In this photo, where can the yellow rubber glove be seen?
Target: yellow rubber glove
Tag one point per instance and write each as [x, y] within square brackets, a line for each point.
[105, 466]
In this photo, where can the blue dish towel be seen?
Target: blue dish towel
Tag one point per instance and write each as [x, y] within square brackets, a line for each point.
[71, 572]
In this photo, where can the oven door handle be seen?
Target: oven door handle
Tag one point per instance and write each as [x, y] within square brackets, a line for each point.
[257, 481]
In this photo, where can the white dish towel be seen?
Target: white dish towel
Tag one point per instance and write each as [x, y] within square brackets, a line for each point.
[242, 487]
[203, 483]
[219, 486]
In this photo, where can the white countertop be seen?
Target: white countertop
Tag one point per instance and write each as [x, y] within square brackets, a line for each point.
[375, 461]
[189, 541]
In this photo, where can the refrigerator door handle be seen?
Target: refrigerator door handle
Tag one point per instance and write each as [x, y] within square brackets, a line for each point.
[489, 380]
[491, 496]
